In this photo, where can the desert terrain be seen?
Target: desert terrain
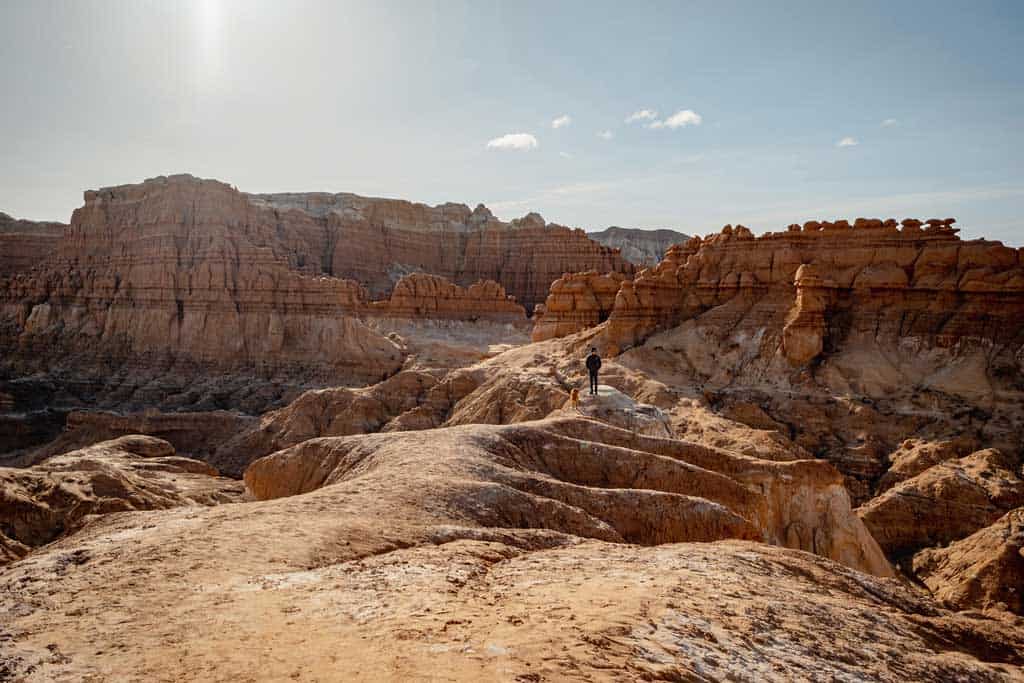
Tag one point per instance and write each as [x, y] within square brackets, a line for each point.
[320, 437]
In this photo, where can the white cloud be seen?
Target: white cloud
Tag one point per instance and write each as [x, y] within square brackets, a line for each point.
[520, 141]
[889, 122]
[562, 121]
[847, 142]
[565, 155]
[642, 115]
[681, 119]
[606, 135]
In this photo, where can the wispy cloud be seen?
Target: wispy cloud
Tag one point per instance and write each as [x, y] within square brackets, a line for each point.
[562, 121]
[847, 142]
[516, 141]
[642, 115]
[681, 119]
[606, 135]
[565, 155]
[888, 123]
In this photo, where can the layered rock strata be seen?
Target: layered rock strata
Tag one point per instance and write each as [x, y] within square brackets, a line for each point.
[588, 479]
[40, 503]
[576, 301]
[639, 247]
[24, 244]
[983, 571]
[432, 297]
[375, 241]
[190, 275]
[812, 287]
[945, 503]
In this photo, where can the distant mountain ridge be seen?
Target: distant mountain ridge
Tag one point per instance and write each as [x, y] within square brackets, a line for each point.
[638, 246]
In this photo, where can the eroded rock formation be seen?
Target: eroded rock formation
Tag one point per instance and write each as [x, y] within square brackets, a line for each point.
[421, 295]
[946, 502]
[24, 244]
[983, 571]
[177, 278]
[40, 503]
[375, 241]
[576, 301]
[816, 285]
[639, 247]
[504, 548]
[592, 480]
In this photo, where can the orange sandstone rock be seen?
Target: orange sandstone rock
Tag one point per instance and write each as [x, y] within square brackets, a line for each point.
[24, 244]
[181, 272]
[576, 301]
[806, 286]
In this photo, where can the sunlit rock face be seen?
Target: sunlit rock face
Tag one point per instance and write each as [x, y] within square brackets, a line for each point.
[856, 335]
[191, 274]
[811, 289]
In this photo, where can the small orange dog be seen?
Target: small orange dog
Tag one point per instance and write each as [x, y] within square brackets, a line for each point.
[574, 398]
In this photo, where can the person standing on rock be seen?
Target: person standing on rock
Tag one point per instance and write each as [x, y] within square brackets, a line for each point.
[593, 365]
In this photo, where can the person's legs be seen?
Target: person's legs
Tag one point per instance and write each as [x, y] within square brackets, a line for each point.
[593, 384]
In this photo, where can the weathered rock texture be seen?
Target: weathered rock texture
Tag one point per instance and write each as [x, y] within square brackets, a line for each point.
[589, 479]
[850, 338]
[639, 247]
[199, 435]
[816, 286]
[421, 295]
[982, 571]
[576, 301]
[410, 400]
[375, 241]
[478, 553]
[40, 503]
[178, 276]
[24, 244]
[945, 503]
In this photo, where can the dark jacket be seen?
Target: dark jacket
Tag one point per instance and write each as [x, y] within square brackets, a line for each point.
[593, 363]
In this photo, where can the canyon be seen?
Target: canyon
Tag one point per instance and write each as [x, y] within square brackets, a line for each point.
[338, 431]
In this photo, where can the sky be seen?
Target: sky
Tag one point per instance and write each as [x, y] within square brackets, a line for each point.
[685, 115]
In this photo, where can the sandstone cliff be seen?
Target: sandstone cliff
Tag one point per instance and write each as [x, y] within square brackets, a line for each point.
[376, 241]
[23, 244]
[639, 247]
[182, 277]
[825, 282]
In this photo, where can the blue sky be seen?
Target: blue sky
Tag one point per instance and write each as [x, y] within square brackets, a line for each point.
[401, 100]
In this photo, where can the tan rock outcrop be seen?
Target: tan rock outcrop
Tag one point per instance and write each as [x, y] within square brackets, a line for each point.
[945, 503]
[421, 295]
[409, 400]
[40, 503]
[375, 241]
[589, 479]
[577, 301]
[982, 571]
[914, 456]
[502, 549]
[198, 434]
[803, 336]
